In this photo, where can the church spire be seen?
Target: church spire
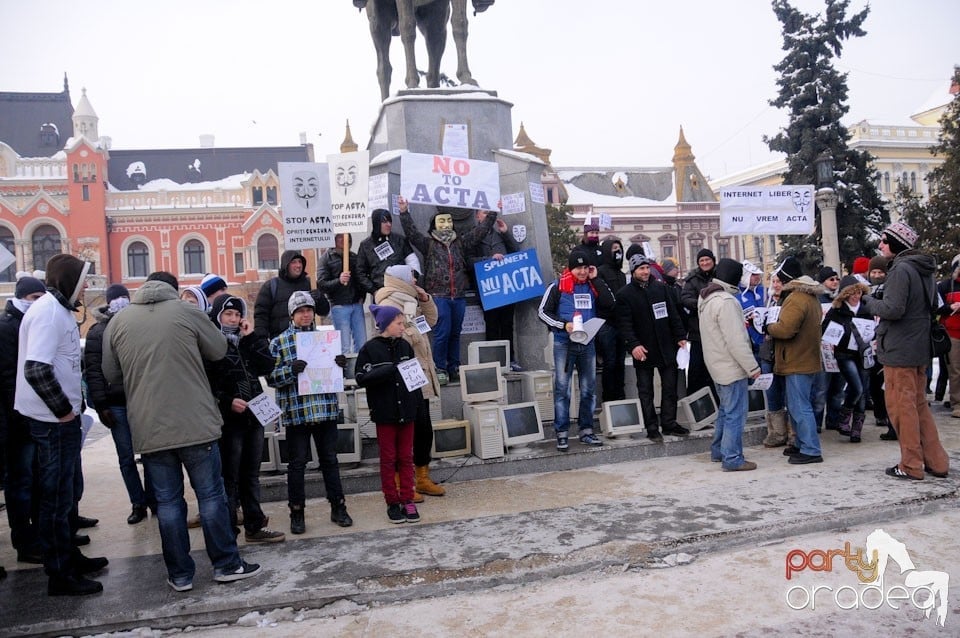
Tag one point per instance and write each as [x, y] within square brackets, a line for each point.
[348, 145]
[524, 144]
[85, 119]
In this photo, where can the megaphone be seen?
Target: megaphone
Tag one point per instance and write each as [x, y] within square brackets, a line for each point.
[578, 334]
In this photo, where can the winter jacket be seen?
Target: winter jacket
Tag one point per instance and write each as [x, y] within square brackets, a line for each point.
[611, 271]
[298, 409]
[726, 345]
[400, 294]
[559, 303]
[328, 279]
[156, 348]
[903, 335]
[594, 251]
[690, 297]
[9, 343]
[370, 267]
[849, 346]
[796, 346]
[638, 325]
[102, 394]
[444, 264]
[387, 394]
[949, 290]
[270, 309]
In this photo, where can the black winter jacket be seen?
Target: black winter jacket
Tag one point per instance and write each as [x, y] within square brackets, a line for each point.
[611, 272]
[270, 309]
[638, 327]
[696, 282]
[9, 344]
[102, 393]
[370, 268]
[328, 279]
[387, 394]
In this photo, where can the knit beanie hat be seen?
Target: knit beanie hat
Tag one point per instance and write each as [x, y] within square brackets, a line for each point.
[115, 291]
[955, 262]
[197, 293]
[861, 265]
[299, 299]
[578, 258]
[632, 250]
[227, 302]
[638, 260]
[27, 286]
[212, 283]
[879, 263]
[706, 252]
[900, 237]
[728, 271]
[383, 316]
[66, 274]
[789, 270]
[401, 272]
[670, 266]
[826, 273]
[590, 226]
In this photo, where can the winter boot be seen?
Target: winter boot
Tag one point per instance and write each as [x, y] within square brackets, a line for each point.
[417, 496]
[425, 484]
[338, 514]
[776, 429]
[791, 439]
[297, 523]
[856, 428]
[890, 434]
[846, 417]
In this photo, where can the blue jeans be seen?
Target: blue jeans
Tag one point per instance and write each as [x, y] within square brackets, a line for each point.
[349, 321]
[777, 392]
[566, 357]
[58, 448]
[324, 435]
[140, 494]
[19, 488]
[165, 472]
[240, 452]
[799, 392]
[858, 382]
[827, 396]
[446, 334]
[727, 442]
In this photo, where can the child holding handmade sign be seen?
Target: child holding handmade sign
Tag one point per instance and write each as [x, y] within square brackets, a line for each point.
[388, 368]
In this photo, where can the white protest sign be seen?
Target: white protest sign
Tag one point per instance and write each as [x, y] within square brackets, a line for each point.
[413, 375]
[759, 317]
[473, 322]
[455, 182]
[349, 191]
[456, 141]
[378, 191]
[773, 210]
[264, 408]
[833, 333]
[305, 199]
[536, 192]
[606, 221]
[866, 327]
[319, 349]
[826, 356]
[513, 203]
[6, 258]
[763, 382]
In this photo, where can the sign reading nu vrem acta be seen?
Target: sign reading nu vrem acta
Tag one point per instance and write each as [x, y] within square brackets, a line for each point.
[767, 210]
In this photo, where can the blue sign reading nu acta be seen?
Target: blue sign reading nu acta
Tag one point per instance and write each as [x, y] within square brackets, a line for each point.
[516, 277]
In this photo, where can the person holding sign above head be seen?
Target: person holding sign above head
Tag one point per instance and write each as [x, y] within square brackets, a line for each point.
[388, 368]
[235, 381]
[345, 294]
[306, 416]
[446, 278]
[381, 250]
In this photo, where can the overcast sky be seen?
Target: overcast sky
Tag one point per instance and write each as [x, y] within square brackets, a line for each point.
[602, 83]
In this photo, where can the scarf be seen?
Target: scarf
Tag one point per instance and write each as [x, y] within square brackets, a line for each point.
[445, 237]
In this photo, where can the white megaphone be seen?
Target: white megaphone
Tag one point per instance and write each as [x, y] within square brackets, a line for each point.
[578, 334]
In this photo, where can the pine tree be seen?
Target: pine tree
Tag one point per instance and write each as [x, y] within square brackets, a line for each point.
[938, 221]
[563, 239]
[815, 95]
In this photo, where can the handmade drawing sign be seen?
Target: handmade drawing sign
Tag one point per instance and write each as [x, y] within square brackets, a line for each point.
[516, 277]
[780, 210]
[455, 182]
[305, 198]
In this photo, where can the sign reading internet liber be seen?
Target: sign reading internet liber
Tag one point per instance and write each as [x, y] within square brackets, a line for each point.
[767, 210]
[305, 198]
[456, 182]
[516, 277]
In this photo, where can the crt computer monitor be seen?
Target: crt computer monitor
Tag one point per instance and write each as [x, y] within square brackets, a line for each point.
[621, 417]
[480, 382]
[521, 425]
[349, 444]
[489, 351]
[698, 410]
[450, 438]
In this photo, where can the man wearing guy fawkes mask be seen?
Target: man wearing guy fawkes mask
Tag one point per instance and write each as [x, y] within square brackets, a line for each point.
[611, 350]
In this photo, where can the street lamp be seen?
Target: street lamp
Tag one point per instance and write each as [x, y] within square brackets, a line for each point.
[827, 202]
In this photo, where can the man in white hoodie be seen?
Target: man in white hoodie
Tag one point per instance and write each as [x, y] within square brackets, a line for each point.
[730, 361]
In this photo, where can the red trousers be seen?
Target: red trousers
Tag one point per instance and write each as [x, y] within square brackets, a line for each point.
[911, 418]
[396, 457]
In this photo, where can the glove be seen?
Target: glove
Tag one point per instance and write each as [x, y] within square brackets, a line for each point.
[106, 417]
[298, 366]
[340, 360]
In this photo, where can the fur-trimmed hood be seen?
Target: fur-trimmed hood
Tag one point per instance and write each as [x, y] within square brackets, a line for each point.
[847, 291]
[806, 284]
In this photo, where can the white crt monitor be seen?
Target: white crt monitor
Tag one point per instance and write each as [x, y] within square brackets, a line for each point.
[480, 382]
[697, 410]
[621, 417]
[450, 438]
[349, 443]
[521, 425]
[489, 351]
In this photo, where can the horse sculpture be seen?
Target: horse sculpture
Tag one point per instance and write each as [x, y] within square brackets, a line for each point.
[403, 17]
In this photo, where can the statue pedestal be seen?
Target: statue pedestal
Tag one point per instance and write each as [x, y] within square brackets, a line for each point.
[414, 121]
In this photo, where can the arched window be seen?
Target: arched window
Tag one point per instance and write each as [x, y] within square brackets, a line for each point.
[913, 182]
[193, 262]
[8, 274]
[268, 253]
[138, 259]
[257, 195]
[46, 244]
[886, 182]
[272, 195]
